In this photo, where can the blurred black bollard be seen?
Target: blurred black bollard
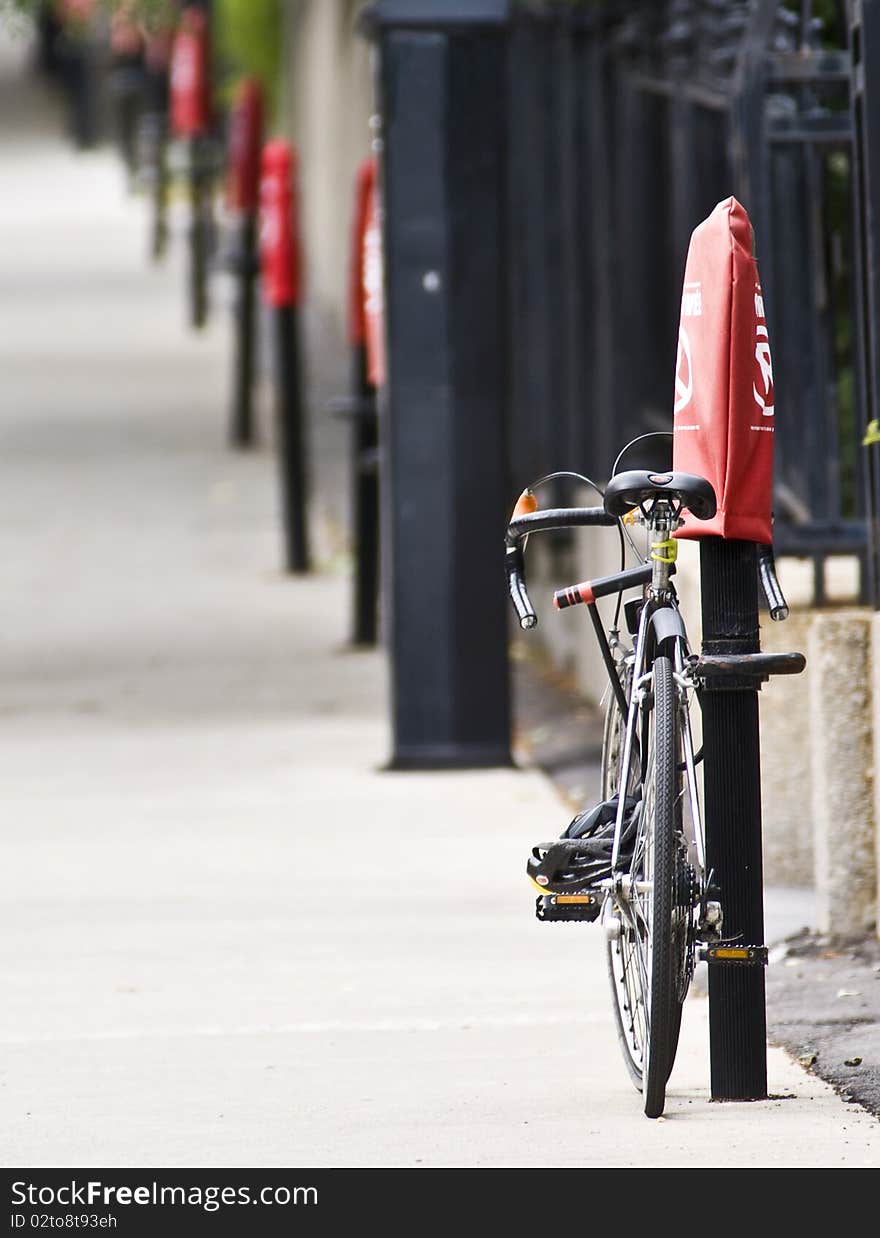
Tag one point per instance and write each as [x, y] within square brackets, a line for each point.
[153, 134]
[243, 197]
[126, 81]
[78, 59]
[48, 60]
[199, 234]
[442, 69]
[291, 440]
[365, 493]
[280, 265]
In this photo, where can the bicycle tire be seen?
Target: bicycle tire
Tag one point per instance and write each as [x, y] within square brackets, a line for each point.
[665, 1008]
[648, 959]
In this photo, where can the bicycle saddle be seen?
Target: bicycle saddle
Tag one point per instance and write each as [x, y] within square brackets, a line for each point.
[636, 486]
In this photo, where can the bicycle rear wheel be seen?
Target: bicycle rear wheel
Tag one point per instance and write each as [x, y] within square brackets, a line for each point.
[648, 954]
[627, 988]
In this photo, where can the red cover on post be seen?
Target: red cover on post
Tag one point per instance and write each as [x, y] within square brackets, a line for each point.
[245, 147]
[366, 176]
[373, 286]
[723, 412]
[279, 225]
[190, 89]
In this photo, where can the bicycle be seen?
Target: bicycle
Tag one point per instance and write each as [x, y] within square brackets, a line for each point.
[637, 861]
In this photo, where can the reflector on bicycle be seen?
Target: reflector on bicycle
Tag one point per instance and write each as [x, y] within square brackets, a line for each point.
[556, 908]
[723, 411]
[525, 504]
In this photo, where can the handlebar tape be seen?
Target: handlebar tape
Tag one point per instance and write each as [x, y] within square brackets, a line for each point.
[516, 587]
[589, 590]
[556, 518]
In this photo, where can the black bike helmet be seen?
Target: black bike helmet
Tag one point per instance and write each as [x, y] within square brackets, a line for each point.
[581, 858]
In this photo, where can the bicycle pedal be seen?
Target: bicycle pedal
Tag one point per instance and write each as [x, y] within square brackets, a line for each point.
[557, 907]
[734, 955]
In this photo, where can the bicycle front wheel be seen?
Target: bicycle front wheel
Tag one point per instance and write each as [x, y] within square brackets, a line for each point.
[648, 952]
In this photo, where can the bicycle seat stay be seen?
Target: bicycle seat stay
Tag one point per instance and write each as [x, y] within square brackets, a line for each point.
[638, 486]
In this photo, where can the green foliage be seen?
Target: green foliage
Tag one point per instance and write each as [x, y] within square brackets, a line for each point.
[248, 41]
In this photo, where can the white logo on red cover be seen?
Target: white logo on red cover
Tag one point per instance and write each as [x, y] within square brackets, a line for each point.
[692, 300]
[764, 397]
[684, 374]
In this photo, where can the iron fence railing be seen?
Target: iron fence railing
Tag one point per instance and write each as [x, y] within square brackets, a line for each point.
[629, 121]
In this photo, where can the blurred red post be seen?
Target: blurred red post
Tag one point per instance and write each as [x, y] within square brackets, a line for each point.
[245, 148]
[279, 224]
[190, 76]
[372, 281]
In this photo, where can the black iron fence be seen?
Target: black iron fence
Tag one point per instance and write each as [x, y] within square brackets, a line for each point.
[629, 121]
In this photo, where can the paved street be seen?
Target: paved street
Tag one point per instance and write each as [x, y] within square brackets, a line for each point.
[228, 937]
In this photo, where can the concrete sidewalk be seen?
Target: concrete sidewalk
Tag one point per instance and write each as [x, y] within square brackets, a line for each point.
[228, 938]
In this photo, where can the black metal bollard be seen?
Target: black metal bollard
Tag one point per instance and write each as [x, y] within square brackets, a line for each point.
[127, 79]
[199, 235]
[724, 429]
[153, 171]
[365, 495]
[291, 438]
[79, 73]
[279, 261]
[732, 785]
[152, 137]
[442, 89]
[243, 195]
[49, 33]
[245, 267]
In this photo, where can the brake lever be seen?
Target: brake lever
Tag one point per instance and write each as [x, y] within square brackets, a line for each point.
[516, 587]
[773, 594]
[515, 563]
